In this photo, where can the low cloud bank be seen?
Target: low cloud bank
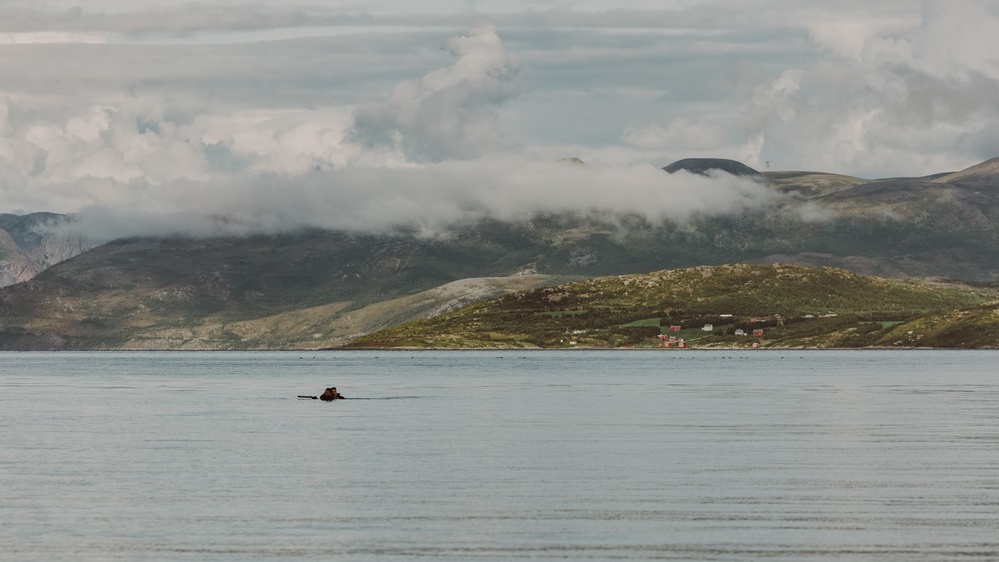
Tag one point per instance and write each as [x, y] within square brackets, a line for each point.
[426, 198]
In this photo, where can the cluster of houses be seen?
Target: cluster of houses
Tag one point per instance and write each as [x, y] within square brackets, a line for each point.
[667, 341]
[756, 332]
[672, 340]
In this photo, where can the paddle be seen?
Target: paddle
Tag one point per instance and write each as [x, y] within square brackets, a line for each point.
[312, 397]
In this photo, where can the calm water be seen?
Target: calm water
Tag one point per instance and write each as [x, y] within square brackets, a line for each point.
[853, 455]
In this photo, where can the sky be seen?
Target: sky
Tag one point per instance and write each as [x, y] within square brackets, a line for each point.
[147, 116]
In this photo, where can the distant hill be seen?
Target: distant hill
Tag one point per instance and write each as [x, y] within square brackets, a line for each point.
[306, 290]
[707, 307]
[704, 166]
[984, 174]
[811, 184]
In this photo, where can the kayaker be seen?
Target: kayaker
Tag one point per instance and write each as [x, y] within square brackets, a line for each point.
[331, 394]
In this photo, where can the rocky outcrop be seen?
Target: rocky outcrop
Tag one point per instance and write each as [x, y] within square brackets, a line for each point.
[28, 247]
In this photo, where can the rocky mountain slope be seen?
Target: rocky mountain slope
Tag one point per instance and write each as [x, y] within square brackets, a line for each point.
[26, 249]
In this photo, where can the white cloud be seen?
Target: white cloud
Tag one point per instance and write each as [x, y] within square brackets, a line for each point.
[425, 197]
[50, 37]
[959, 37]
[679, 134]
[450, 112]
[890, 96]
[849, 35]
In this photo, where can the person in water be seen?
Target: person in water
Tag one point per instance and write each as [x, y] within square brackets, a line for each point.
[331, 394]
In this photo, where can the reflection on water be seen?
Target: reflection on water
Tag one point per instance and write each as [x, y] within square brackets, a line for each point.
[500, 456]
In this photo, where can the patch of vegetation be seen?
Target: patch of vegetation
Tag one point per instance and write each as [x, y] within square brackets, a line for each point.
[645, 322]
[713, 306]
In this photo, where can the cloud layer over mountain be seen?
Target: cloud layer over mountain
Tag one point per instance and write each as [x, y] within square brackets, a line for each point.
[150, 118]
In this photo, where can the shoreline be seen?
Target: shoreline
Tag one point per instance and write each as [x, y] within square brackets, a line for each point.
[524, 349]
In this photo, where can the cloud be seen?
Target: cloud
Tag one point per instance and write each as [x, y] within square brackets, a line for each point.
[849, 35]
[431, 154]
[142, 141]
[679, 134]
[891, 97]
[450, 112]
[958, 38]
[50, 37]
[708, 64]
[425, 198]
[143, 17]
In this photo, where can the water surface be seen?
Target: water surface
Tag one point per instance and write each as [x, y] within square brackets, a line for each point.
[582, 455]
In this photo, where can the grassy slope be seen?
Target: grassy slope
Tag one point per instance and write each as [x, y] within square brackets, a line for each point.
[977, 327]
[333, 324]
[611, 311]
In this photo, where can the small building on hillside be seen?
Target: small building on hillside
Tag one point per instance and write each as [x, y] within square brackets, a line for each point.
[758, 333]
[708, 328]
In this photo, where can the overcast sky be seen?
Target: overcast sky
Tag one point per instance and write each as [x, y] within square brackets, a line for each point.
[371, 114]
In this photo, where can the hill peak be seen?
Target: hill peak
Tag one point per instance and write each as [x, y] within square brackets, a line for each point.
[988, 170]
[704, 165]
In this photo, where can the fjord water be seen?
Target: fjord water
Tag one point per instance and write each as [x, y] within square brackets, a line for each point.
[505, 455]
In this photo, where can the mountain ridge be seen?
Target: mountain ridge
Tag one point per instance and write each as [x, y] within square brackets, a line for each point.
[706, 166]
[148, 290]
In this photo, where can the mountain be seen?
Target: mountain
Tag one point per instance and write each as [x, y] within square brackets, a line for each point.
[314, 288]
[707, 307]
[310, 289]
[26, 248]
[706, 166]
[944, 225]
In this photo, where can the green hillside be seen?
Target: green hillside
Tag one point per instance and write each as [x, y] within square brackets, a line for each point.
[977, 327]
[793, 305]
